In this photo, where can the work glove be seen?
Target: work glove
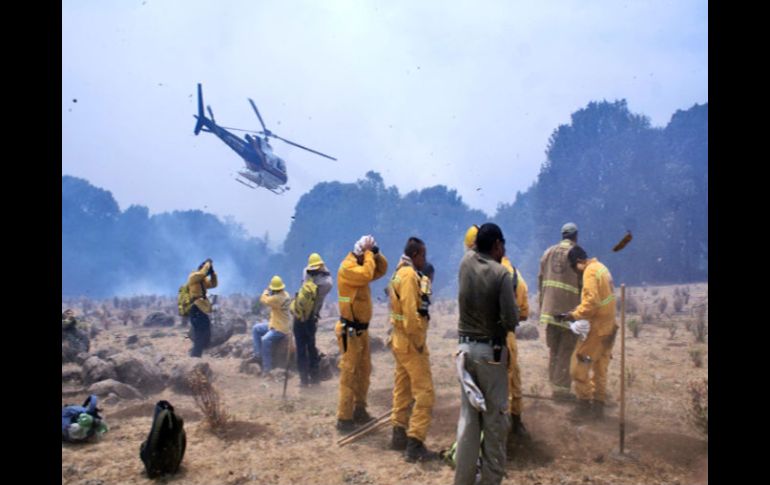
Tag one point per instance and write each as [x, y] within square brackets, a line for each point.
[580, 327]
[363, 244]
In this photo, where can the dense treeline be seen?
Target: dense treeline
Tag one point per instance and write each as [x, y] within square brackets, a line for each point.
[608, 171]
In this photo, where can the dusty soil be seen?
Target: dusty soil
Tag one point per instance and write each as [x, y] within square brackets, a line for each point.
[293, 441]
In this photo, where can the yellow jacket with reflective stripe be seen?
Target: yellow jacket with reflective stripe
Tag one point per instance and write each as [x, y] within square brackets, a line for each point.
[597, 303]
[194, 282]
[354, 296]
[522, 300]
[408, 325]
[279, 309]
[558, 285]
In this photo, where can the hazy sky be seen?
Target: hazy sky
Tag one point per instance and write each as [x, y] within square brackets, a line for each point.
[464, 94]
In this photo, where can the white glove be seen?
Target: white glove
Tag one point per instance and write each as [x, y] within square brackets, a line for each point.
[369, 242]
[363, 244]
[580, 327]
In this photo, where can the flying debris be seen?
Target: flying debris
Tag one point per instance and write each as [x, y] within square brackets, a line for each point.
[623, 242]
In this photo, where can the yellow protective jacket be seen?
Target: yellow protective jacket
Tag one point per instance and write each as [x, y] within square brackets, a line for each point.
[279, 309]
[198, 283]
[354, 295]
[597, 303]
[410, 329]
[558, 285]
[522, 300]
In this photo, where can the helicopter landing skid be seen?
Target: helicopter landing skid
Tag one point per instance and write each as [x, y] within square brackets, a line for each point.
[246, 183]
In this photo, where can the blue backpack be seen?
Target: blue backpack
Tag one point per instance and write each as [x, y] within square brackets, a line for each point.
[70, 414]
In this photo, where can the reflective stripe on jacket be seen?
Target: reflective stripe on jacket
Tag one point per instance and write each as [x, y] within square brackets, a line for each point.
[408, 325]
[197, 293]
[597, 304]
[558, 284]
[354, 296]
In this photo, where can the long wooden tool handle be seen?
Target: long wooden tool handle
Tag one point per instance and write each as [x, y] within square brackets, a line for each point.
[366, 426]
[622, 366]
[373, 428]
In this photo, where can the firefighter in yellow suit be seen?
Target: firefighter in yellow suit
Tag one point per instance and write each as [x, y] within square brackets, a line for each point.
[360, 267]
[413, 378]
[593, 352]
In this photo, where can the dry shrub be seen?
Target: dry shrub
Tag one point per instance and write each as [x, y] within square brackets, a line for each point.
[632, 306]
[699, 326]
[672, 328]
[654, 292]
[696, 354]
[698, 406]
[647, 316]
[634, 325]
[678, 303]
[630, 376]
[208, 401]
[662, 304]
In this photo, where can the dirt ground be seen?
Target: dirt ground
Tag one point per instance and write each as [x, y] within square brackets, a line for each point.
[293, 441]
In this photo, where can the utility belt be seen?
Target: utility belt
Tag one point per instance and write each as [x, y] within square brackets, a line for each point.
[497, 343]
[351, 327]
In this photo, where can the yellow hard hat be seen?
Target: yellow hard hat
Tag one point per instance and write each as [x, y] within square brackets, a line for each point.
[314, 260]
[470, 236]
[276, 284]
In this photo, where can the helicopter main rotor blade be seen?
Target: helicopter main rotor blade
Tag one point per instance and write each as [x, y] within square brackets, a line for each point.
[258, 115]
[300, 146]
[241, 129]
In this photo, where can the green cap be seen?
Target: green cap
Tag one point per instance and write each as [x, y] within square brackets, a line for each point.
[568, 229]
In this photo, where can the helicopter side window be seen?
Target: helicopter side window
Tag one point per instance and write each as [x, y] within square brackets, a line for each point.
[281, 165]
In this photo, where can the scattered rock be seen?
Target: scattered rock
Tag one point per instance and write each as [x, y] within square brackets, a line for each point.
[220, 333]
[132, 339]
[104, 388]
[107, 353]
[96, 369]
[182, 371]
[158, 334]
[158, 319]
[111, 398]
[73, 341]
[139, 371]
[376, 344]
[327, 366]
[250, 368]
[599, 458]
[222, 350]
[82, 357]
[239, 325]
[71, 373]
[527, 331]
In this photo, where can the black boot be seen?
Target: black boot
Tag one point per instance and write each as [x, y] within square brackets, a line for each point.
[399, 439]
[345, 425]
[597, 410]
[582, 410]
[518, 429]
[360, 416]
[416, 451]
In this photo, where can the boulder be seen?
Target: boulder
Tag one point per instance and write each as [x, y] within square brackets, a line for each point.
[107, 353]
[159, 319]
[221, 331]
[239, 325]
[183, 370]
[527, 331]
[96, 369]
[250, 368]
[327, 366]
[132, 339]
[104, 388]
[139, 370]
[82, 357]
[376, 344]
[71, 373]
[73, 341]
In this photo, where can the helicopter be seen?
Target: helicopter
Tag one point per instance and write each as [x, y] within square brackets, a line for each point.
[263, 167]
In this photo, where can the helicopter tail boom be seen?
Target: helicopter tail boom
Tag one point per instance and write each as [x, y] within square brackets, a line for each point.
[201, 116]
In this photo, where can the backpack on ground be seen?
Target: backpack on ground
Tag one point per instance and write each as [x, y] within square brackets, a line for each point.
[184, 300]
[304, 301]
[74, 428]
[163, 450]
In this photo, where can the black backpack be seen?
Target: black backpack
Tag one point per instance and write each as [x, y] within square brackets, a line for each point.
[163, 450]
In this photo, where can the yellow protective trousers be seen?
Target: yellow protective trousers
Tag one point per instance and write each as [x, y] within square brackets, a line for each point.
[592, 356]
[413, 380]
[355, 368]
[514, 375]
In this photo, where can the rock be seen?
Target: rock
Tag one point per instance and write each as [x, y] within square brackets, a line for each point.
[111, 398]
[107, 353]
[71, 373]
[220, 333]
[376, 344]
[82, 357]
[239, 325]
[73, 341]
[94, 332]
[138, 370]
[527, 331]
[104, 388]
[158, 319]
[222, 350]
[96, 369]
[132, 339]
[158, 334]
[327, 366]
[182, 371]
[250, 368]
